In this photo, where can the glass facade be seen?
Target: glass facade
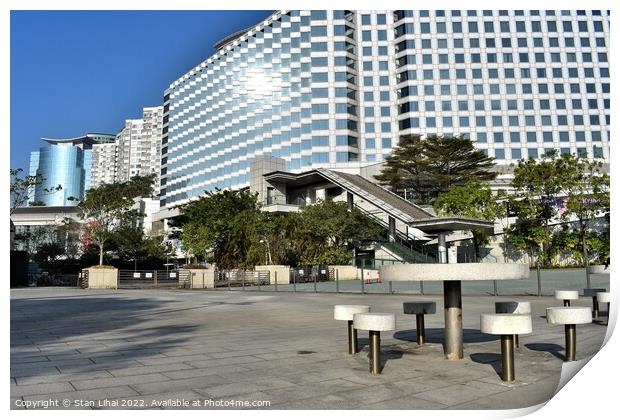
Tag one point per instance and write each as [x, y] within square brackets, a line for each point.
[336, 89]
[64, 162]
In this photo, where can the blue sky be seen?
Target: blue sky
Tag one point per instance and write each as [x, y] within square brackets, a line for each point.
[74, 72]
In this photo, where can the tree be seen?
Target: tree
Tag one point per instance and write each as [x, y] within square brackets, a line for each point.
[21, 187]
[131, 244]
[588, 196]
[220, 227]
[538, 185]
[108, 207]
[475, 200]
[326, 230]
[430, 166]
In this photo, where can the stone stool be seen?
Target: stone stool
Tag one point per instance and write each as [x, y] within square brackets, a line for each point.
[566, 296]
[419, 309]
[507, 326]
[570, 317]
[345, 313]
[514, 307]
[593, 292]
[375, 323]
[604, 297]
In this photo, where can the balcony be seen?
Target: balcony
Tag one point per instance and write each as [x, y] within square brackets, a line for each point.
[279, 205]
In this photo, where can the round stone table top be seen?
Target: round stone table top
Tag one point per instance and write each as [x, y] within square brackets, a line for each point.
[454, 272]
[598, 269]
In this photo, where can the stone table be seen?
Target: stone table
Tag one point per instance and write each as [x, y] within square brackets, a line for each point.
[452, 275]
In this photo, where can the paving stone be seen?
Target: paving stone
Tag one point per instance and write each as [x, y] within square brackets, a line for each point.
[125, 380]
[40, 389]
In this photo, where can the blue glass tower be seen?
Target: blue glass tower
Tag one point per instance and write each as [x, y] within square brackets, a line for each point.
[64, 162]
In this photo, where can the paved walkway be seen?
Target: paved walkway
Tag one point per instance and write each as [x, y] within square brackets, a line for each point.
[157, 348]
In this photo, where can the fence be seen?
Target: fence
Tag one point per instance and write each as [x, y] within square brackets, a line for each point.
[369, 282]
[242, 279]
[144, 279]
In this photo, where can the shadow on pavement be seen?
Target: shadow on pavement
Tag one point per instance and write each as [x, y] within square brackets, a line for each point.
[553, 349]
[436, 335]
[493, 359]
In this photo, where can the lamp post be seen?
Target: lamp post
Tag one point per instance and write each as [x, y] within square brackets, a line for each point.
[264, 241]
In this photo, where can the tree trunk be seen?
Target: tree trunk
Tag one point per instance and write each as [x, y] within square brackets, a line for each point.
[100, 254]
[585, 255]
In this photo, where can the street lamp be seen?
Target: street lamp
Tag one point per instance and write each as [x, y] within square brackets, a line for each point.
[264, 241]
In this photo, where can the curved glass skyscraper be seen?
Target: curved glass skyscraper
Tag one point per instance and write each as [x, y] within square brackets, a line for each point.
[64, 162]
[336, 89]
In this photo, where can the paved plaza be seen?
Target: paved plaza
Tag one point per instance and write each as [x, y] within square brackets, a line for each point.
[157, 347]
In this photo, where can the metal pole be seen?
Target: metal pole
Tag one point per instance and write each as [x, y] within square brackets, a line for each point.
[243, 282]
[352, 338]
[453, 314]
[538, 278]
[419, 323]
[494, 287]
[294, 281]
[443, 251]
[362, 280]
[337, 282]
[594, 306]
[275, 280]
[258, 280]
[375, 352]
[390, 287]
[508, 358]
[228, 277]
[571, 342]
[315, 276]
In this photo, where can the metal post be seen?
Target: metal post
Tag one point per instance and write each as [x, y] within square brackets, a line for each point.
[243, 282]
[275, 280]
[337, 282]
[375, 352]
[494, 287]
[571, 342]
[315, 276]
[362, 279]
[594, 306]
[508, 358]
[443, 251]
[258, 280]
[155, 278]
[453, 315]
[352, 338]
[419, 323]
[516, 340]
[294, 281]
[228, 277]
[390, 287]
[538, 277]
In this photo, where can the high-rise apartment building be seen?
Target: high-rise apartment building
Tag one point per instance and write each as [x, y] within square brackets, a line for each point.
[138, 146]
[64, 162]
[103, 167]
[336, 89]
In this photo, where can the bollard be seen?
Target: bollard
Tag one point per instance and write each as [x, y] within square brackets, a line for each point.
[275, 280]
[538, 278]
[337, 282]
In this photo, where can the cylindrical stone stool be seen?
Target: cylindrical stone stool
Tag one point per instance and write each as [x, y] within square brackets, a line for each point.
[570, 317]
[419, 309]
[514, 307]
[345, 313]
[506, 325]
[566, 296]
[375, 323]
[604, 297]
[592, 292]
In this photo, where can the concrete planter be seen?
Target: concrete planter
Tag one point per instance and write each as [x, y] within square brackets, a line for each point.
[202, 278]
[345, 272]
[279, 272]
[598, 269]
[102, 278]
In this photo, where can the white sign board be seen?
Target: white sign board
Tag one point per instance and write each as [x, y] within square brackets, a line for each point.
[452, 254]
[173, 275]
[136, 275]
[322, 271]
[148, 275]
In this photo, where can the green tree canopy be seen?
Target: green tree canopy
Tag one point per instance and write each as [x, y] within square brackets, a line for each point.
[109, 207]
[430, 166]
[471, 199]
